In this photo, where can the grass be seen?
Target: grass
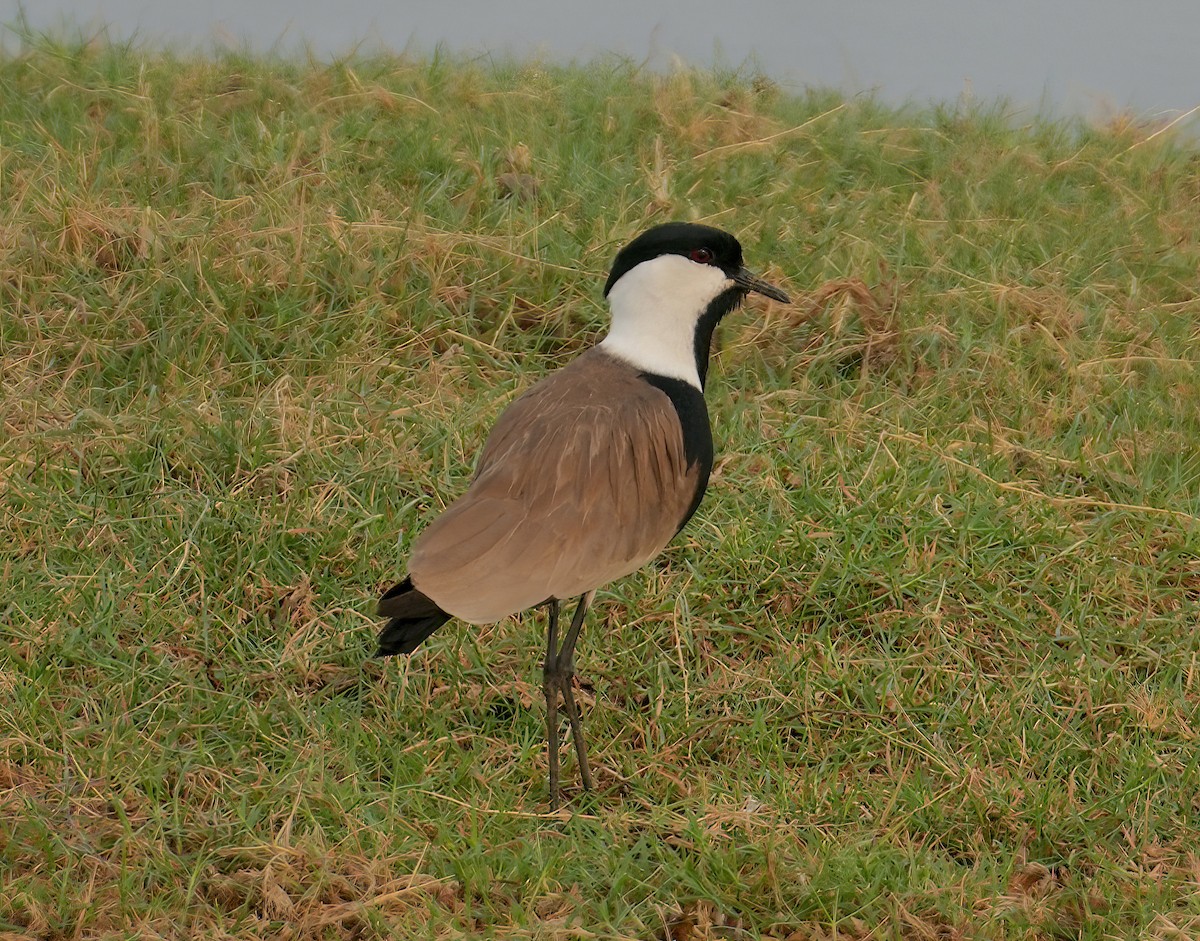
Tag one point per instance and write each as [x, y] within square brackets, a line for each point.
[925, 665]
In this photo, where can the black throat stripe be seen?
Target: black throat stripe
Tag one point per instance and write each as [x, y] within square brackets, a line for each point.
[720, 305]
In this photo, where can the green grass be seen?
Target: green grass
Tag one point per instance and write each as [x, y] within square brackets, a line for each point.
[925, 665]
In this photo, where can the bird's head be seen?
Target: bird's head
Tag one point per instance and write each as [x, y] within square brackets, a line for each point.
[668, 290]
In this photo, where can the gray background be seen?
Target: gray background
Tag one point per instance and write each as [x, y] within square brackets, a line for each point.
[1093, 57]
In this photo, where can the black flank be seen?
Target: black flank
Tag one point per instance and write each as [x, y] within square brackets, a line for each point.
[697, 433]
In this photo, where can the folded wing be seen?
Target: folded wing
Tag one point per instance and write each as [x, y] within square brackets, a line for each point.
[583, 480]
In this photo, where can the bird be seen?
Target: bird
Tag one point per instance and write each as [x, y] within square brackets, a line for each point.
[588, 475]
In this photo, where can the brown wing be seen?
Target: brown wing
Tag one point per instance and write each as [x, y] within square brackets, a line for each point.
[582, 480]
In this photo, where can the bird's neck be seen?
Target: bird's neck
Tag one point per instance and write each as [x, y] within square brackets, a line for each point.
[663, 317]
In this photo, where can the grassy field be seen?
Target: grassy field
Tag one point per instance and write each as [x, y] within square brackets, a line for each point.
[925, 665]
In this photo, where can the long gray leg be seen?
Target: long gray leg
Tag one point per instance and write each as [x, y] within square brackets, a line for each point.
[551, 687]
[566, 668]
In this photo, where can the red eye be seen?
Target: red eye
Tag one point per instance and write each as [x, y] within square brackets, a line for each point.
[702, 256]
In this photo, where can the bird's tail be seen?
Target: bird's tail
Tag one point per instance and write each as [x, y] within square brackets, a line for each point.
[413, 616]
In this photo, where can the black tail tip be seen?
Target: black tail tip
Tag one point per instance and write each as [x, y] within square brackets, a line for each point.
[404, 635]
[412, 615]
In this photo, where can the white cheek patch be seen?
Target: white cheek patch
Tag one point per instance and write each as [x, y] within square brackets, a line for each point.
[655, 307]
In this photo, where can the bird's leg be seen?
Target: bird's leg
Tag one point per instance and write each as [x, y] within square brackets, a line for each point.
[557, 674]
[551, 687]
[566, 669]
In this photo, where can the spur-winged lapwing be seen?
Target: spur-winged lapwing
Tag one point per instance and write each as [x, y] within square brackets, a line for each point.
[588, 475]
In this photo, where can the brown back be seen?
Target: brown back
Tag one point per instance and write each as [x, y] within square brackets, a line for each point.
[582, 480]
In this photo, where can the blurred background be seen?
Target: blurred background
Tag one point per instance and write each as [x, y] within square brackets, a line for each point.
[1094, 58]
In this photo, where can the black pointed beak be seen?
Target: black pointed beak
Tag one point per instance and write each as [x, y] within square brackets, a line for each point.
[747, 281]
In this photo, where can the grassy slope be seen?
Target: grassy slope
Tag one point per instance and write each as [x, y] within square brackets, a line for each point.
[926, 662]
